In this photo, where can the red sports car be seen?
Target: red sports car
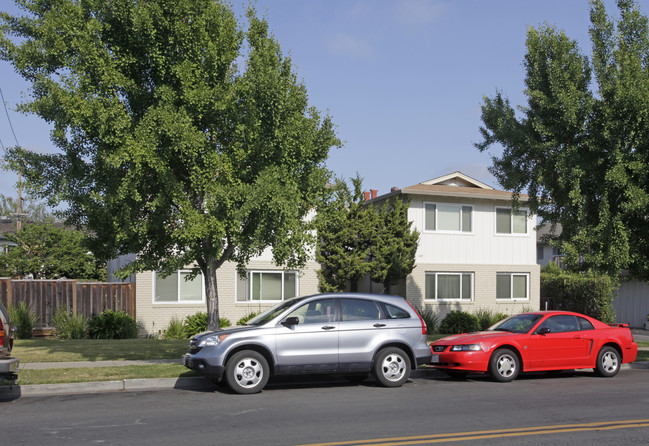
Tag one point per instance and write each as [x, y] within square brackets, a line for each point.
[544, 340]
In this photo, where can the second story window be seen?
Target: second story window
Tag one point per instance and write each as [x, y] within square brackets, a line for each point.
[446, 217]
[510, 221]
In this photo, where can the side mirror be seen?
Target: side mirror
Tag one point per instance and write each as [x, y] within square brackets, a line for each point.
[543, 331]
[290, 321]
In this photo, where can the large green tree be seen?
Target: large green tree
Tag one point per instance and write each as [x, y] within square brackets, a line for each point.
[345, 229]
[394, 244]
[360, 239]
[45, 251]
[184, 136]
[580, 147]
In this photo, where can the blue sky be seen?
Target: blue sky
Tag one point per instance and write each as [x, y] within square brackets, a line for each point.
[402, 79]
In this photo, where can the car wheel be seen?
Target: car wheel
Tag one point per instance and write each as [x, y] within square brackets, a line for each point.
[608, 362]
[392, 367]
[504, 365]
[247, 372]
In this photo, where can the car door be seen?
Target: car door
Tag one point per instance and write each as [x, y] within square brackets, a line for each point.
[563, 346]
[361, 330]
[311, 346]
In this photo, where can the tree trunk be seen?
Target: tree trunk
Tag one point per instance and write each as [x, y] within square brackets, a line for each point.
[212, 295]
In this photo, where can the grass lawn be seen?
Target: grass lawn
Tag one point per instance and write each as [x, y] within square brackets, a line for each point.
[92, 374]
[57, 350]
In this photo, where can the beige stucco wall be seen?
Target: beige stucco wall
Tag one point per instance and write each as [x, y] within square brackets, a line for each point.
[484, 289]
[155, 317]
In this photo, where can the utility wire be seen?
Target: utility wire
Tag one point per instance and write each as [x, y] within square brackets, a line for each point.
[8, 118]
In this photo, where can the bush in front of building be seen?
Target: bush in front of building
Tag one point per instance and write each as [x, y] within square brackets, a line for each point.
[113, 325]
[459, 322]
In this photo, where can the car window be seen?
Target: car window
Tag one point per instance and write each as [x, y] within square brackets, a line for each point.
[315, 312]
[560, 324]
[521, 323]
[584, 324]
[395, 312]
[359, 310]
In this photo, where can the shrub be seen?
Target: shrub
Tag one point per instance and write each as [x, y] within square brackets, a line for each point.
[590, 294]
[24, 318]
[459, 322]
[113, 325]
[197, 323]
[175, 330]
[67, 326]
[486, 318]
[247, 317]
[430, 318]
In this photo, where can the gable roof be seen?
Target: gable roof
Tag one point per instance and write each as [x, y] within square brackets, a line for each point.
[459, 185]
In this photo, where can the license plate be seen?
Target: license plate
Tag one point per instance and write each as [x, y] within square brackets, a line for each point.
[434, 359]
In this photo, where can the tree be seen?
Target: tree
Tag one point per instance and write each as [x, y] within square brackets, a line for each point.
[359, 238]
[33, 210]
[394, 245]
[583, 156]
[168, 149]
[48, 252]
[345, 227]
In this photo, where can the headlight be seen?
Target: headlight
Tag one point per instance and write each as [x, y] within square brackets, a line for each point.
[466, 348]
[212, 340]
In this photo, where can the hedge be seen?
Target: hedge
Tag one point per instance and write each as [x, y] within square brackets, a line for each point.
[589, 295]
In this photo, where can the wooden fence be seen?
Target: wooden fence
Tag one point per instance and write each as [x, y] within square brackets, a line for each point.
[79, 298]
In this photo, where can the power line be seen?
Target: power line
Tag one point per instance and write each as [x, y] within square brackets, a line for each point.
[8, 118]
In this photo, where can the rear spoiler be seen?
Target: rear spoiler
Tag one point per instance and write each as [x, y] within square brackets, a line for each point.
[624, 325]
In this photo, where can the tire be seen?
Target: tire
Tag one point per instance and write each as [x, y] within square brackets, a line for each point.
[504, 365]
[247, 372]
[392, 367]
[608, 362]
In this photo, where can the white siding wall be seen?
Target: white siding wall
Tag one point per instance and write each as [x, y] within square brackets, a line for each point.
[482, 246]
[632, 303]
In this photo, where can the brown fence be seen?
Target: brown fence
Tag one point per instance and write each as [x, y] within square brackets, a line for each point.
[80, 298]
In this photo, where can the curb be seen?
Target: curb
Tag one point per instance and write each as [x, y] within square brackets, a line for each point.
[124, 385]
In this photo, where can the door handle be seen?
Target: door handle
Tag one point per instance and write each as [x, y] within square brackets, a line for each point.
[328, 327]
[378, 325]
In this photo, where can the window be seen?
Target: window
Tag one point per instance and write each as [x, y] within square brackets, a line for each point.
[512, 286]
[266, 286]
[560, 324]
[449, 286]
[448, 217]
[511, 222]
[359, 310]
[396, 312]
[315, 312]
[176, 289]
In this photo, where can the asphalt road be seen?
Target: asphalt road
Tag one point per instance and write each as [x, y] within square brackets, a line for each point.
[566, 409]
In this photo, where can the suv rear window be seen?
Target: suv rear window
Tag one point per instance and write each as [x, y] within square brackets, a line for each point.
[396, 312]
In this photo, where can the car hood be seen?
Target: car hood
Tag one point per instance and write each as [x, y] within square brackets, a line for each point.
[229, 330]
[474, 338]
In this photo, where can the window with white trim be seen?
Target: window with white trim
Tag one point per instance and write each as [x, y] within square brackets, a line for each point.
[512, 286]
[269, 286]
[176, 289]
[509, 221]
[449, 286]
[448, 217]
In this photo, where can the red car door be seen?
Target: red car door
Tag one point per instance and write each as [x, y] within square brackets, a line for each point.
[558, 343]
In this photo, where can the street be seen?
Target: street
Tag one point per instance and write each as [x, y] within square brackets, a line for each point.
[570, 408]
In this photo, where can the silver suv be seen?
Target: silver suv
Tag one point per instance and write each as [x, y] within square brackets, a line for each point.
[350, 334]
[8, 364]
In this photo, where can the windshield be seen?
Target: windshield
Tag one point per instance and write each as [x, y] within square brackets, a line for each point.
[273, 311]
[521, 323]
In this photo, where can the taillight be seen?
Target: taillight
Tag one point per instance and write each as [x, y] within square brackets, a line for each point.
[423, 324]
[2, 334]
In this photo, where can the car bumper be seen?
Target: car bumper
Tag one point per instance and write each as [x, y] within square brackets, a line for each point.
[200, 365]
[469, 361]
[9, 367]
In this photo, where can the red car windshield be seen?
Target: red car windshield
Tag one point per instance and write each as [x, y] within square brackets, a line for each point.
[521, 323]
